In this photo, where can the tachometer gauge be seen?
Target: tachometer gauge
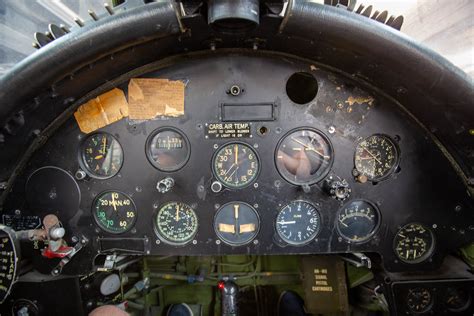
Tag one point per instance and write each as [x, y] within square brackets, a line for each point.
[236, 223]
[176, 223]
[101, 155]
[413, 243]
[304, 156]
[168, 149]
[114, 212]
[419, 300]
[236, 165]
[376, 157]
[298, 223]
[457, 299]
[357, 221]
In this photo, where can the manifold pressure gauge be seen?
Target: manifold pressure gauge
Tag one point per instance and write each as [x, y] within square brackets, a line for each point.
[236, 223]
[236, 165]
[298, 223]
[413, 243]
[176, 223]
[114, 212]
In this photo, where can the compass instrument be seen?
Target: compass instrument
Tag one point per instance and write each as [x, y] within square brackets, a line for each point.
[236, 223]
[168, 149]
[298, 223]
[114, 212]
[176, 223]
[236, 165]
[376, 157]
[304, 156]
[419, 300]
[101, 156]
[413, 243]
[357, 221]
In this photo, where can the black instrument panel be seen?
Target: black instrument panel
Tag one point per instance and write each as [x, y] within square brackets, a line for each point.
[395, 172]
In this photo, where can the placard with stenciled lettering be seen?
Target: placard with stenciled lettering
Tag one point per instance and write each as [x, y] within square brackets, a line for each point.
[228, 130]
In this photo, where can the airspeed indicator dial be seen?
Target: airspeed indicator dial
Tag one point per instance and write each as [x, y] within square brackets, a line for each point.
[176, 223]
[298, 223]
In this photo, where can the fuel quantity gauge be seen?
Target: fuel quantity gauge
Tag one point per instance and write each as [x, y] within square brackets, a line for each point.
[357, 221]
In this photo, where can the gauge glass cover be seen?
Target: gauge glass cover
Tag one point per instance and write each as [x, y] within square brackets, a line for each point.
[304, 156]
[176, 223]
[236, 223]
[168, 149]
[457, 299]
[419, 300]
[357, 221]
[298, 223]
[413, 243]
[114, 212]
[376, 157]
[236, 165]
[101, 156]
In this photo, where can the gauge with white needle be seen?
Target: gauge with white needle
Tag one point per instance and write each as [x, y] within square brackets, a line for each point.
[298, 223]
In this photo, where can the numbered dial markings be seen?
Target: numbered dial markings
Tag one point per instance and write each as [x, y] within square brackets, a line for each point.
[176, 223]
[168, 149]
[114, 212]
[298, 223]
[376, 157]
[413, 243]
[419, 300]
[101, 155]
[236, 165]
[304, 156]
[236, 223]
[357, 221]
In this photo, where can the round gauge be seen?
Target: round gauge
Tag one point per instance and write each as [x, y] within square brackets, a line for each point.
[304, 156]
[168, 149]
[101, 155]
[419, 300]
[236, 165]
[236, 223]
[114, 212]
[298, 223]
[357, 221]
[176, 223]
[457, 299]
[413, 243]
[8, 260]
[376, 157]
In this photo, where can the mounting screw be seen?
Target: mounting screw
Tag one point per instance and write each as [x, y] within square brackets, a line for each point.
[235, 90]
[80, 175]
[218, 242]
[255, 242]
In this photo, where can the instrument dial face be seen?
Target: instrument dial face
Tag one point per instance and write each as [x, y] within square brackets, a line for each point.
[176, 223]
[376, 157]
[298, 223]
[357, 221]
[8, 261]
[419, 300]
[236, 165]
[413, 243]
[101, 156]
[304, 156]
[457, 299]
[236, 223]
[168, 149]
[114, 212]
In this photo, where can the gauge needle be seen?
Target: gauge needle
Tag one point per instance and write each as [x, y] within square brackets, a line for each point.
[98, 157]
[373, 156]
[309, 148]
[177, 213]
[286, 223]
[113, 202]
[104, 144]
[236, 151]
